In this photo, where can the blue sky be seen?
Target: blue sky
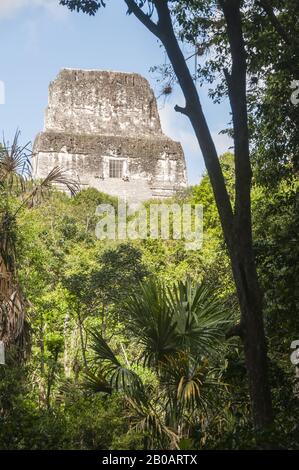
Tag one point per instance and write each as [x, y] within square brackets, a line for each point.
[39, 37]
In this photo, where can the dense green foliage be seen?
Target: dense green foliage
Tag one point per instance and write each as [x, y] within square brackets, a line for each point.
[82, 290]
[127, 340]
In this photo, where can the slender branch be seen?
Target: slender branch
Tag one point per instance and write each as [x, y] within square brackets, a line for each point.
[194, 111]
[143, 17]
[181, 110]
[236, 81]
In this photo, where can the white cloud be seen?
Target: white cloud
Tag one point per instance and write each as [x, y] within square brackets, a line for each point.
[9, 8]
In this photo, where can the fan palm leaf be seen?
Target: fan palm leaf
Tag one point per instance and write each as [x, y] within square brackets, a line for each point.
[201, 317]
[151, 321]
[167, 320]
[178, 328]
[119, 377]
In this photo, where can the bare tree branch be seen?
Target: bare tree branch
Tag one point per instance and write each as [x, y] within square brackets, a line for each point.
[194, 111]
[181, 110]
[143, 17]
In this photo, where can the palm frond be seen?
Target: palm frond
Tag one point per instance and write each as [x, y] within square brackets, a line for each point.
[15, 165]
[201, 317]
[167, 320]
[151, 423]
[58, 176]
[151, 322]
[186, 382]
[95, 382]
[119, 377]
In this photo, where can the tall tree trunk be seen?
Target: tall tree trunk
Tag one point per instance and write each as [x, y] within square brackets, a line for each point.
[242, 255]
[252, 334]
[236, 225]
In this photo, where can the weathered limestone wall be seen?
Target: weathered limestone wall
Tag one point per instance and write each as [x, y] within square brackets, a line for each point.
[93, 102]
[94, 117]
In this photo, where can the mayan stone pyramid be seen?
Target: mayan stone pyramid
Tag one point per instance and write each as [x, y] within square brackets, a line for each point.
[104, 129]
